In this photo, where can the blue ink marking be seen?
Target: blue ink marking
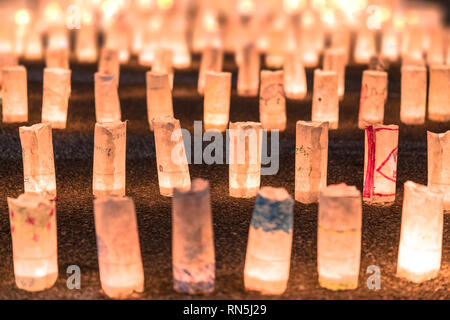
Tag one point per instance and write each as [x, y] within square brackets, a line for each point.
[184, 280]
[273, 215]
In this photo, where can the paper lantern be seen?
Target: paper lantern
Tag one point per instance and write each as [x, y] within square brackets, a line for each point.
[119, 253]
[390, 45]
[413, 42]
[57, 58]
[107, 104]
[325, 104]
[439, 164]
[374, 92]
[212, 61]
[245, 158]
[171, 160]
[311, 160]
[33, 45]
[34, 243]
[364, 47]
[109, 158]
[248, 73]
[7, 59]
[268, 257]
[109, 63]
[419, 254]
[192, 239]
[380, 164]
[217, 100]
[38, 159]
[334, 60]
[55, 101]
[86, 44]
[435, 53]
[294, 76]
[413, 95]
[14, 94]
[339, 237]
[439, 93]
[272, 101]
[159, 96]
[163, 63]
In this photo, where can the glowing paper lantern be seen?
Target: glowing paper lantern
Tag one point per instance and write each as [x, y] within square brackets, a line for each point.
[34, 241]
[109, 63]
[413, 94]
[325, 105]
[364, 47]
[311, 160]
[245, 158]
[55, 101]
[272, 101]
[107, 104]
[163, 63]
[14, 94]
[86, 44]
[248, 73]
[334, 60]
[339, 237]
[159, 96]
[217, 100]
[374, 92]
[33, 45]
[171, 160]
[7, 59]
[193, 240]
[380, 164]
[57, 58]
[268, 258]
[212, 60]
[38, 160]
[439, 93]
[435, 53]
[294, 76]
[109, 158]
[420, 249]
[390, 45]
[119, 253]
[439, 164]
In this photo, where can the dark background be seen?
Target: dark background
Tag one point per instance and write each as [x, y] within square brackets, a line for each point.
[73, 150]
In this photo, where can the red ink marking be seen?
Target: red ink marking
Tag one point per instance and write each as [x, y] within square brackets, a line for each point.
[35, 237]
[49, 226]
[12, 214]
[50, 214]
[393, 154]
[30, 220]
[12, 229]
[368, 184]
[55, 198]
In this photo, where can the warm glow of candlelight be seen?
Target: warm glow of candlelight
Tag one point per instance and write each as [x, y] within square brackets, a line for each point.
[22, 17]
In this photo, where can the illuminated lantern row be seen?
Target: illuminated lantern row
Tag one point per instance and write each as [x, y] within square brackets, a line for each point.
[272, 101]
[107, 103]
[268, 257]
[380, 164]
[311, 160]
[14, 94]
[33, 231]
[55, 101]
[159, 96]
[374, 92]
[420, 249]
[109, 158]
[325, 104]
[173, 169]
[119, 253]
[439, 93]
[413, 95]
[193, 257]
[217, 100]
[339, 237]
[212, 61]
[245, 159]
[38, 160]
[439, 164]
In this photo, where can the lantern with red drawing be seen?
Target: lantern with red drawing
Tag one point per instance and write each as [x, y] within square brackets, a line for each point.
[34, 242]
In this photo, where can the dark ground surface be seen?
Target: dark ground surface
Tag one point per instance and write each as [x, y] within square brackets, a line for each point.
[73, 149]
